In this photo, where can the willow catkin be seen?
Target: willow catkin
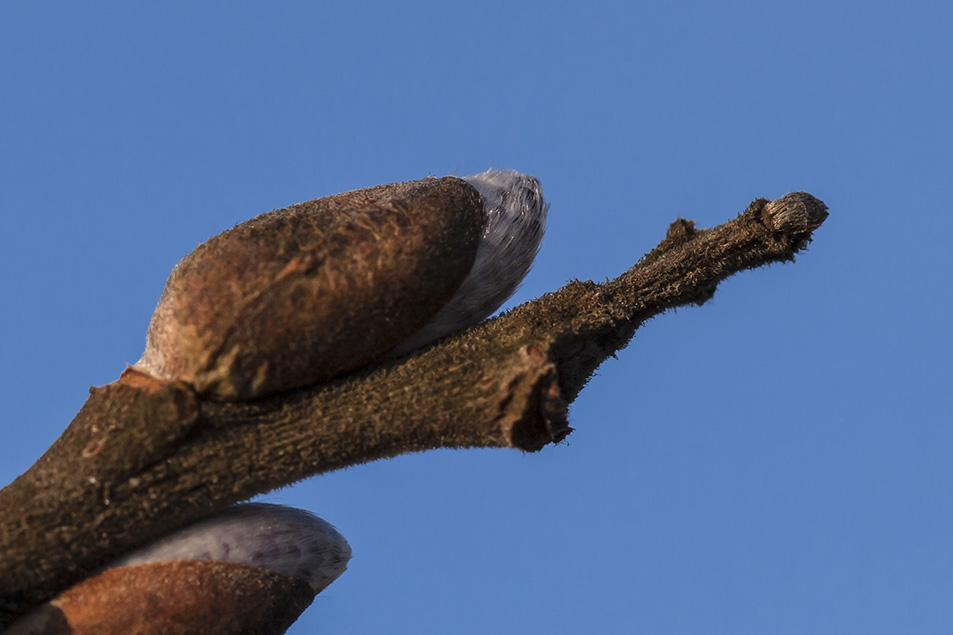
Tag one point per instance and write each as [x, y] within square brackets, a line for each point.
[303, 294]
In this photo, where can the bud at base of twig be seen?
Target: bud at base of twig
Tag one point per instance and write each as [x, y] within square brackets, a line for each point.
[188, 597]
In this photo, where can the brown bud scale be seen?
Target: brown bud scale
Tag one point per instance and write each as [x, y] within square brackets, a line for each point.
[299, 295]
[173, 598]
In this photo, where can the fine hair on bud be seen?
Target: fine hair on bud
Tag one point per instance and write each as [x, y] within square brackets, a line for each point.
[282, 539]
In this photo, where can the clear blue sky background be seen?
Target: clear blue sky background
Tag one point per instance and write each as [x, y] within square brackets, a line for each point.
[777, 461]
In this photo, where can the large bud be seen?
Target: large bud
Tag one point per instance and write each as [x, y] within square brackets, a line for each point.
[303, 294]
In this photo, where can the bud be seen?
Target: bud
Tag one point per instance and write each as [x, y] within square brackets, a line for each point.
[252, 568]
[303, 294]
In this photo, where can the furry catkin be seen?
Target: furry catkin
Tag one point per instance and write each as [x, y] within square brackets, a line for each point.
[303, 294]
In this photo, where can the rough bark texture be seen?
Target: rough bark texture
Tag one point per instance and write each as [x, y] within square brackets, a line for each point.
[142, 458]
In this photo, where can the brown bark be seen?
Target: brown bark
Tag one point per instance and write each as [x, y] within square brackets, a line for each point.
[142, 458]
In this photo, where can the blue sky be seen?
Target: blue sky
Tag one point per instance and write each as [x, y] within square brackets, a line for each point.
[776, 461]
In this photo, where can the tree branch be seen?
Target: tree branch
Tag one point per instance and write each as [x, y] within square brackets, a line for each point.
[142, 457]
